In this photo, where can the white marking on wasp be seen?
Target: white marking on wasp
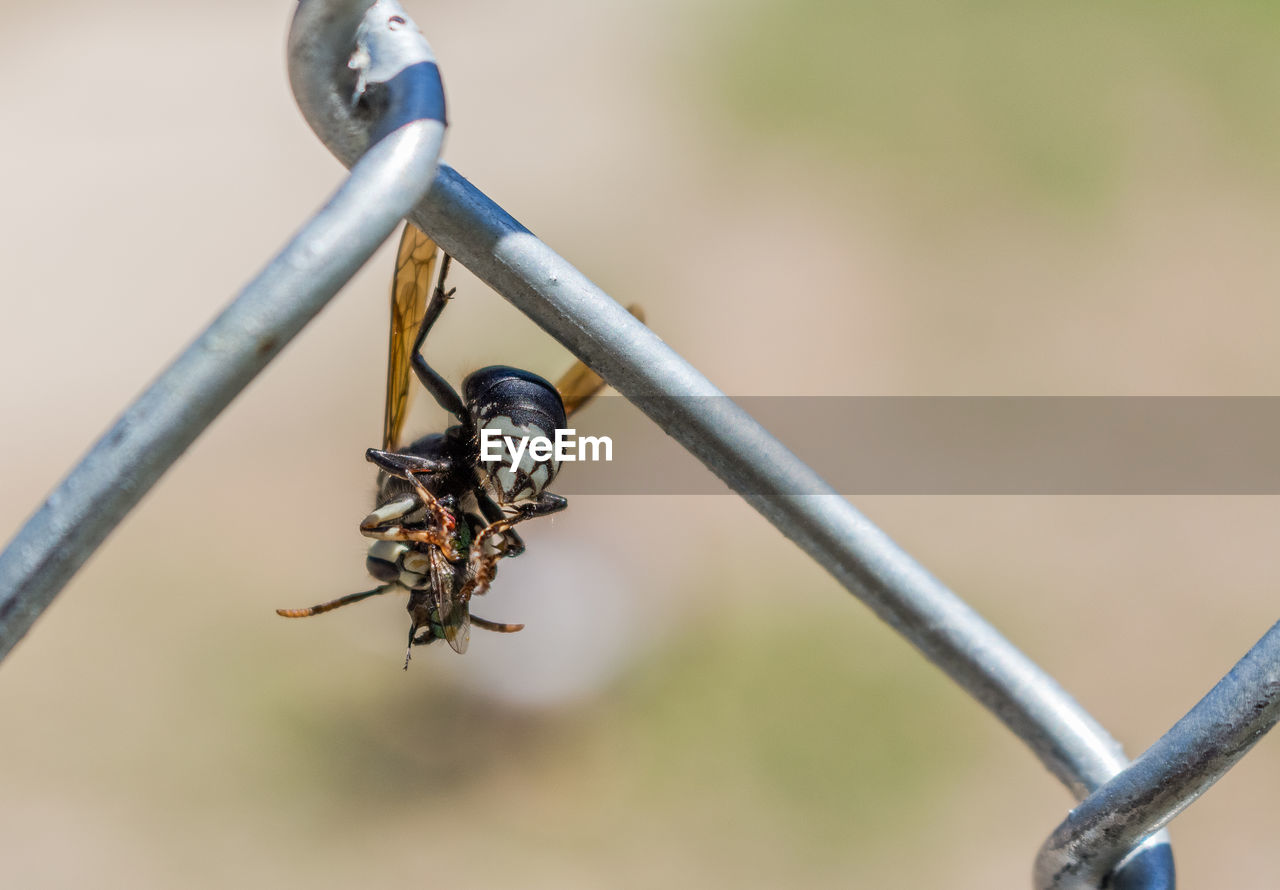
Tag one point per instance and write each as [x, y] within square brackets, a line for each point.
[417, 562]
[387, 551]
[396, 509]
[412, 580]
[540, 477]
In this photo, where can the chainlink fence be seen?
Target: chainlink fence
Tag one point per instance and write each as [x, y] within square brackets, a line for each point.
[368, 84]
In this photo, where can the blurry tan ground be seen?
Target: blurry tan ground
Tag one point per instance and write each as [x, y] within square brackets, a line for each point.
[887, 199]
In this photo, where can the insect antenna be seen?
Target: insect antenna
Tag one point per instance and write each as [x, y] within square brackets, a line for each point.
[333, 604]
[495, 626]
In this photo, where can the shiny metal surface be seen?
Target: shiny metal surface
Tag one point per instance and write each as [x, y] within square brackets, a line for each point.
[388, 179]
[1168, 776]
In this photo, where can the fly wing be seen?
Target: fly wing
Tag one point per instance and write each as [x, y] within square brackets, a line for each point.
[451, 611]
[415, 263]
[580, 384]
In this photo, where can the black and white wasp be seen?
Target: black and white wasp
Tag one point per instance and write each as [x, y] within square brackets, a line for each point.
[444, 517]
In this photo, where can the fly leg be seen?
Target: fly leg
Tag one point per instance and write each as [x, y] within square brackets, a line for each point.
[484, 566]
[416, 640]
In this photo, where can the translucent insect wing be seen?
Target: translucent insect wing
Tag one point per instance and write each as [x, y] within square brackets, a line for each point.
[453, 613]
[415, 265]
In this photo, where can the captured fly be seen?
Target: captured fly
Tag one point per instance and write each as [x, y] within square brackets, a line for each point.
[443, 516]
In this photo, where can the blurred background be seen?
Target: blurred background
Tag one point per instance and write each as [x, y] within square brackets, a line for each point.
[808, 199]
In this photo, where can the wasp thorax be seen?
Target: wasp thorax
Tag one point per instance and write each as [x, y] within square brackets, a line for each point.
[518, 413]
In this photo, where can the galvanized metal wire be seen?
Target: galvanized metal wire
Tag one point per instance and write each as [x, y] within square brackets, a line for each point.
[367, 83]
[401, 104]
[1169, 775]
[567, 305]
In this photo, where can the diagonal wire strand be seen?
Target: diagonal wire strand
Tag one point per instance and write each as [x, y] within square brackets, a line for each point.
[1168, 776]
[368, 50]
[403, 144]
[563, 302]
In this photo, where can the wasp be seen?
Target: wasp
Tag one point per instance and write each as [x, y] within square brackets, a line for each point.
[444, 516]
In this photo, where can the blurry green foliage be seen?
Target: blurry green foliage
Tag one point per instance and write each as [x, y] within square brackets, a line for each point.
[1040, 100]
[833, 734]
[826, 738]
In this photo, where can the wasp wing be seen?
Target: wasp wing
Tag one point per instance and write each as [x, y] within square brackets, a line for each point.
[415, 263]
[451, 611]
[580, 384]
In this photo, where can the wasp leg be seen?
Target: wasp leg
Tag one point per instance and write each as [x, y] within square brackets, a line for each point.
[333, 604]
[493, 513]
[546, 504]
[443, 540]
[484, 566]
[441, 390]
[402, 465]
[483, 569]
[383, 524]
[407, 466]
